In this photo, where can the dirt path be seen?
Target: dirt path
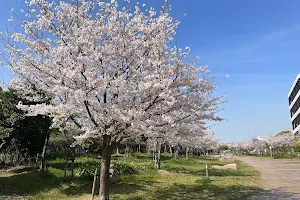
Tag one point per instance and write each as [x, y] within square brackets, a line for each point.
[280, 179]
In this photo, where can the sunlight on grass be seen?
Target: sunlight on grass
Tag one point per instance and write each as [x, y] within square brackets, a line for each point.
[178, 179]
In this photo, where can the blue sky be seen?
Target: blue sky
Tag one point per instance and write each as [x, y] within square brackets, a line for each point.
[257, 44]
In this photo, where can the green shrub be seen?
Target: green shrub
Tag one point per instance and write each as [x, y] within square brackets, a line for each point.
[124, 168]
[88, 168]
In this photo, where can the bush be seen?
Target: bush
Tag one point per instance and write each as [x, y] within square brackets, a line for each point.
[12, 156]
[60, 148]
[88, 168]
[124, 168]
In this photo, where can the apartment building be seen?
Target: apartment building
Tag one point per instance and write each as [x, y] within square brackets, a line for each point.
[294, 104]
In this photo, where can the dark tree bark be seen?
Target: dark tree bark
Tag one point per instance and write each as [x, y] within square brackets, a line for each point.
[73, 160]
[66, 166]
[105, 165]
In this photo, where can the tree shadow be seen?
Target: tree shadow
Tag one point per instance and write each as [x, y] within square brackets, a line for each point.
[228, 172]
[211, 171]
[204, 190]
[60, 165]
[28, 183]
[122, 187]
[275, 194]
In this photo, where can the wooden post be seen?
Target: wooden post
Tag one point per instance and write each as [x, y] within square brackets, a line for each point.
[66, 166]
[37, 160]
[206, 171]
[94, 183]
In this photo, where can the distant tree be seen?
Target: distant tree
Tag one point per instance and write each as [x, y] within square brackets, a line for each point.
[296, 145]
[223, 147]
[286, 132]
[9, 115]
[30, 133]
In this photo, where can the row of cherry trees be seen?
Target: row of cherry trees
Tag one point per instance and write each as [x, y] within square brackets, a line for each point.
[110, 69]
[279, 143]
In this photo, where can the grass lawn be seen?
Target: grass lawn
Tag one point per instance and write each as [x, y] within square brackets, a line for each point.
[178, 179]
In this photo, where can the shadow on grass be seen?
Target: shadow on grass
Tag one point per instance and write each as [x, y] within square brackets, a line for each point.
[59, 165]
[33, 182]
[28, 183]
[163, 157]
[203, 189]
[228, 172]
[126, 186]
[275, 194]
[212, 172]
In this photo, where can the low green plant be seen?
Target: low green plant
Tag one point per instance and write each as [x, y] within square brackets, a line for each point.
[88, 169]
[124, 168]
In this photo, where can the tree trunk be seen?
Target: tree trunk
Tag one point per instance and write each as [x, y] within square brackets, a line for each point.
[171, 152]
[176, 153]
[155, 159]
[187, 152]
[3, 143]
[158, 157]
[126, 151]
[43, 162]
[153, 155]
[73, 160]
[117, 151]
[66, 165]
[104, 173]
[37, 160]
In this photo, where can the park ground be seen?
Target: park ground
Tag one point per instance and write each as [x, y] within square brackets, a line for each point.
[178, 179]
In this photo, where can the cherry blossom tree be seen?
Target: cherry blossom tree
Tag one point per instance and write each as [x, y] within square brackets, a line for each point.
[206, 143]
[280, 142]
[262, 143]
[242, 146]
[110, 71]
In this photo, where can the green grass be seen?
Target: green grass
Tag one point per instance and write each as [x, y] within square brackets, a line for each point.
[276, 156]
[285, 156]
[178, 179]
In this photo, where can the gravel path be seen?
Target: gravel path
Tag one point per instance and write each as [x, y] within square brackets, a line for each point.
[280, 179]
